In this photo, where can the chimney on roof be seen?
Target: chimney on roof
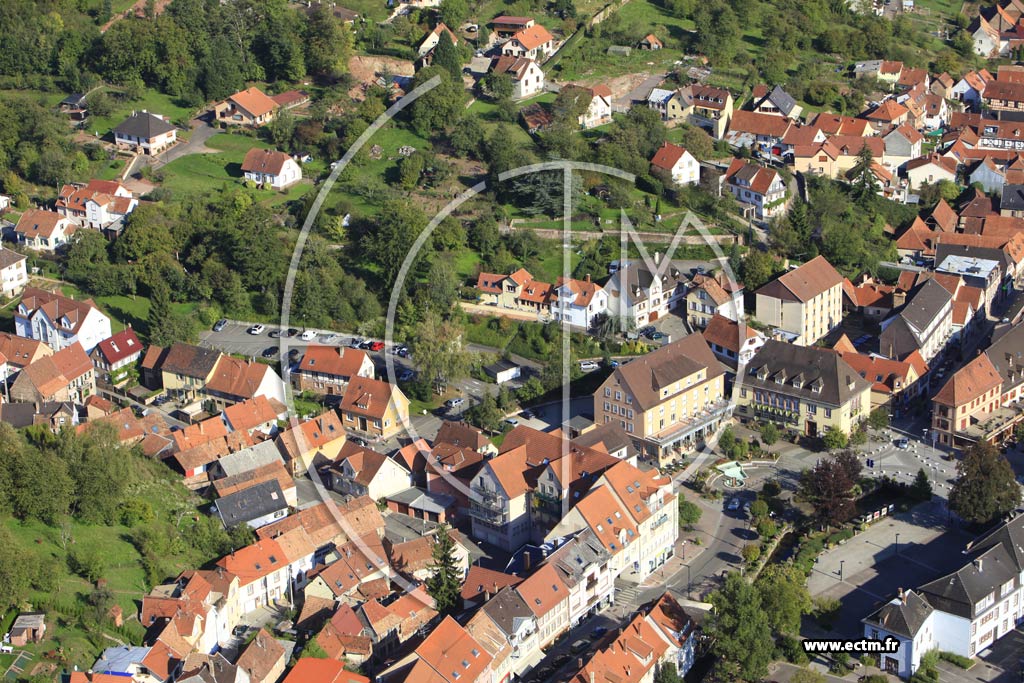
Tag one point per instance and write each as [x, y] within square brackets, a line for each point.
[586, 278]
[978, 564]
[526, 560]
[579, 663]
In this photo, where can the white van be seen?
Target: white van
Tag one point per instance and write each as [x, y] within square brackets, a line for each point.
[588, 365]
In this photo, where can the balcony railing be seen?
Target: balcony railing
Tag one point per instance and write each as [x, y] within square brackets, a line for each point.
[488, 507]
[713, 412]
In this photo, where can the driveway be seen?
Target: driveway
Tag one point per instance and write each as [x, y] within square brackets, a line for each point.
[640, 92]
[201, 131]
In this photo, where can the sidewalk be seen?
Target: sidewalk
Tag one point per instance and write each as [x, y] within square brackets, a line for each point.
[685, 551]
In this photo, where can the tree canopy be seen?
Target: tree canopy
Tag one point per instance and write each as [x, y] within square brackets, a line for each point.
[985, 488]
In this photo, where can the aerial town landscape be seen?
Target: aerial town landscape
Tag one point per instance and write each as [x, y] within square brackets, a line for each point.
[561, 341]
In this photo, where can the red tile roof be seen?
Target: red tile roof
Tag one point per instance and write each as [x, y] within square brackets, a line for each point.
[122, 345]
[254, 101]
[969, 382]
[533, 36]
[312, 670]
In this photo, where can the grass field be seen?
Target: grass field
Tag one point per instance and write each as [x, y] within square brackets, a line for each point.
[126, 310]
[151, 101]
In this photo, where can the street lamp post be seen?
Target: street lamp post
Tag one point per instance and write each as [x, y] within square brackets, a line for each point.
[841, 563]
[897, 544]
[689, 584]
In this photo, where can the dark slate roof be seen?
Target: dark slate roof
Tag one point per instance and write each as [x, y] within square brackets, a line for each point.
[1012, 197]
[943, 250]
[957, 593]
[75, 100]
[251, 503]
[142, 124]
[810, 365]
[190, 361]
[904, 619]
[922, 307]
[1007, 354]
[782, 99]
[505, 607]
[17, 414]
[610, 435]
[1010, 536]
[576, 556]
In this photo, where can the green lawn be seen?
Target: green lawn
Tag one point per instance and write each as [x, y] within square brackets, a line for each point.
[126, 310]
[151, 101]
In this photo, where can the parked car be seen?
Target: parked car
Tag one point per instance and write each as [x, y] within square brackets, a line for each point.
[309, 335]
[588, 365]
[526, 414]
[293, 355]
[512, 422]
[657, 335]
[399, 349]
[580, 646]
[377, 346]
[220, 324]
[366, 344]
[903, 443]
[646, 330]
[329, 338]
[598, 632]
[733, 504]
[455, 402]
[240, 630]
[276, 334]
[269, 352]
[406, 375]
[355, 343]
[257, 329]
[403, 352]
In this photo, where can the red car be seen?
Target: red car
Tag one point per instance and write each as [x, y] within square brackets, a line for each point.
[377, 346]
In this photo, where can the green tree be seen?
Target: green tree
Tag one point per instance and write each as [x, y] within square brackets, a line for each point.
[985, 488]
[88, 562]
[389, 240]
[829, 487]
[834, 438]
[758, 268]
[726, 440]
[668, 673]
[328, 43]
[486, 414]
[444, 583]
[878, 418]
[454, 12]
[810, 676]
[921, 489]
[718, 30]
[740, 628]
[499, 86]
[447, 57]
[160, 319]
[784, 597]
[758, 509]
[865, 185]
[769, 433]
[410, 169]
[751, 552]
[689, 513]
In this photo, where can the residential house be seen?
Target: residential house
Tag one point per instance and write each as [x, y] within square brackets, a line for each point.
[273, 471]
[639, 295]
[584, 566]
[449, 654]
[723, 336]
[144, 664]
[326, 370]
[547, 597]
[268, 569]
[482, 584]
[874, 300]
[776, 102]
[760, 190]
[256, 506]
[116, 357]
[888, 114]
[420, 504]
[534, 42]
[499, 504]
[578, 302]
[923, 324]
[389, 626]
[658, 99]
[936, 112]
[902, 144]
[186, 369]
[99, 204]
[249, 107]
[305, 444]
[599, 103]
[13, 274]
[507, 26]
[711, 295]
[964, 612]
[432, 38]
[712, 109]
[660, 635]
[676, 165]
[67, 375]
[806, 389]
[805, 302]
[20, 351]
[265, 657]
[517, 291]
[506, 628]
[341, 637]
[895, 384]
[526, 74]
[930, 169]
[989, 173]
[817, 158]
[59, 321]
[668, 400]
[271, 169]
[455, 457]
[985, 274]
[360, 471]
[234, 380]
[42, 230]
[313, 670]
[374, 408]
[145, 133]
[761, 133]
[970, 88]
[981, 401]
[256, 416]
[1003, 96]
[414, 558]
[75, 106]
[837, 124]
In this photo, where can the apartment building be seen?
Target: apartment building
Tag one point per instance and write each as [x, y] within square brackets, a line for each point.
[923, 324]
[374, 408]
[982, 400]
[59, 321]
[638, 295]
[964, 612]
[805, 303]
[13, 274]
[547, 597]
[803, 388]
[711, 295]
[668, 400]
